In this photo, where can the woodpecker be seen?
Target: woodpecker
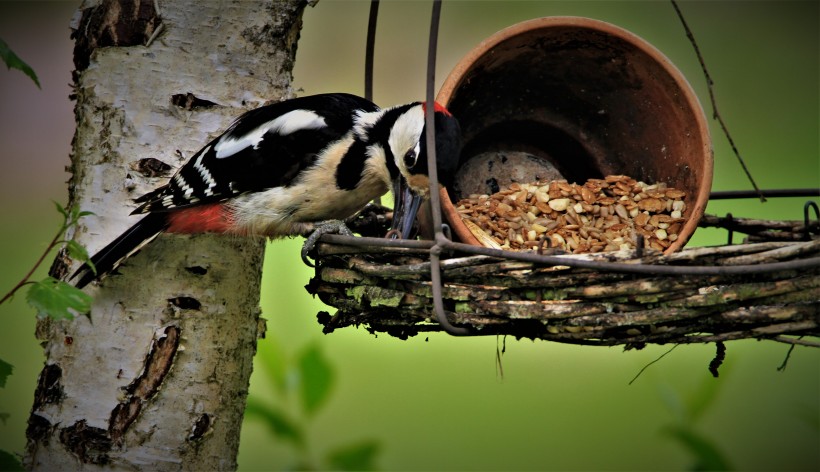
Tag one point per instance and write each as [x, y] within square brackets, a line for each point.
[294, 168]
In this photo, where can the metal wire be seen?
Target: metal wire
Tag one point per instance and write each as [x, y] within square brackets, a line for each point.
[806, 220]
[440, 239]
[370, 48]
[789, 192]
[369, 54]
[569, 261]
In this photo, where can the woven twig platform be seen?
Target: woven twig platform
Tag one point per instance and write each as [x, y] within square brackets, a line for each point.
[389, 290]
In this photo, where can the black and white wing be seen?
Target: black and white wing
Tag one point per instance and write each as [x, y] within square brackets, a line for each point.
[264, 148]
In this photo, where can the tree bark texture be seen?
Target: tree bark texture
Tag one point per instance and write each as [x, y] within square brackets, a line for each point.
[156, 378]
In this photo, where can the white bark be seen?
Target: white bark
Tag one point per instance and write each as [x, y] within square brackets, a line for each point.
[157, 378]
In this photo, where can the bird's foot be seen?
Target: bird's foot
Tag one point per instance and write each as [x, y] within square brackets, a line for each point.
[325, 227]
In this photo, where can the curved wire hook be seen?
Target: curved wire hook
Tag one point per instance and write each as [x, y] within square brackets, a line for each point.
[806, 221]
[440, 238]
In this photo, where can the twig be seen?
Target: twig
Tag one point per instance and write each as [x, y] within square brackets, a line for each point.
[25, 278]
[499, 353]
[656, 360]
[793, 341]
[786, 360]
[715, 113]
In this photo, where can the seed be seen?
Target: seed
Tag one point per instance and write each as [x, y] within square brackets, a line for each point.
[587, 195]
[559, 204]
[595, 216]
[673, 228]
[651, 204]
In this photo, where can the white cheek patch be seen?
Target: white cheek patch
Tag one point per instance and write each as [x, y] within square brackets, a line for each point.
[283, 125]
[405, 134]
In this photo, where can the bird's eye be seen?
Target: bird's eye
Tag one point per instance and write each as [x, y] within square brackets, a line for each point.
[410, 158]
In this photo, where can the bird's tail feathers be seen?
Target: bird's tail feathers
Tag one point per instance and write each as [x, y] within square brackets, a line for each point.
[128, 243]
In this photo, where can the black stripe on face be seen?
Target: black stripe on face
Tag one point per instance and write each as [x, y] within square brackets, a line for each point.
[380, 133]
[391, 163]
[351, 167]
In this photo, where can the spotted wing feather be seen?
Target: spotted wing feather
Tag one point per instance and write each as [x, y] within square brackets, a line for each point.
[266, 147]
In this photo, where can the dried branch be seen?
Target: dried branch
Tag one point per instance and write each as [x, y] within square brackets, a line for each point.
[390, 290]
[715, 114]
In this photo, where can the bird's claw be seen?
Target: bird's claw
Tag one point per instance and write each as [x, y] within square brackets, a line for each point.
[326, 227]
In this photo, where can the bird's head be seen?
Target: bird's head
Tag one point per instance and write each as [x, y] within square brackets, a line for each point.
[406, 146]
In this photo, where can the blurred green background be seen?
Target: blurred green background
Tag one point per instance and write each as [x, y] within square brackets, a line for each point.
[436, 402]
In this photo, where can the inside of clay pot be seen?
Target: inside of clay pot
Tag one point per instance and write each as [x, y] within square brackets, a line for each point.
[584, 101]
[503, 149]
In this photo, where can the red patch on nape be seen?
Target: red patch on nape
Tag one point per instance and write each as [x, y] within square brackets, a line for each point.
[437, 108]
[211, 218]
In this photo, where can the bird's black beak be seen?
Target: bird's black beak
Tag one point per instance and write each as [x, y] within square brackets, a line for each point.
[405, 208]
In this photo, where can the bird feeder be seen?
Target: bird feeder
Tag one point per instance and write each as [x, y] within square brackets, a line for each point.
[576, 98]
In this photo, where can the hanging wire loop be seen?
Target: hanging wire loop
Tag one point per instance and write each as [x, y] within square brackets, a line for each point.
[441, 240]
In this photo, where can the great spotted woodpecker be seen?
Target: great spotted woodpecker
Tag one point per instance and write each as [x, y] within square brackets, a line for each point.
[288, 168]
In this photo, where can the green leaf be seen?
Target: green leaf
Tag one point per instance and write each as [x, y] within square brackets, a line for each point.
[360, 456]
[5, 370]
[14, 62]
[316, 376]
[57, 299]
[701, 399]
[707, 455]
[276, 421]
[78, 252]
[673, 403]
[274, 360]
[76, 214]
[9, 462]
[62, 210]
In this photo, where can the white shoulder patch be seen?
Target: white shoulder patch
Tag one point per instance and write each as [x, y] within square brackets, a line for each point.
[285, 124]
[363, 121]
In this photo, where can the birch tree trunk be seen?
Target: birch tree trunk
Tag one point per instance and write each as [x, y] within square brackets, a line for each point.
[157, 378]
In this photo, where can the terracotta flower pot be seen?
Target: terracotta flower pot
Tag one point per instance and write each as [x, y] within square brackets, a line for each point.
[586, 98]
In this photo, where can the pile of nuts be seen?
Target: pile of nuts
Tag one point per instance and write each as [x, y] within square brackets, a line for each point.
[600, 215]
